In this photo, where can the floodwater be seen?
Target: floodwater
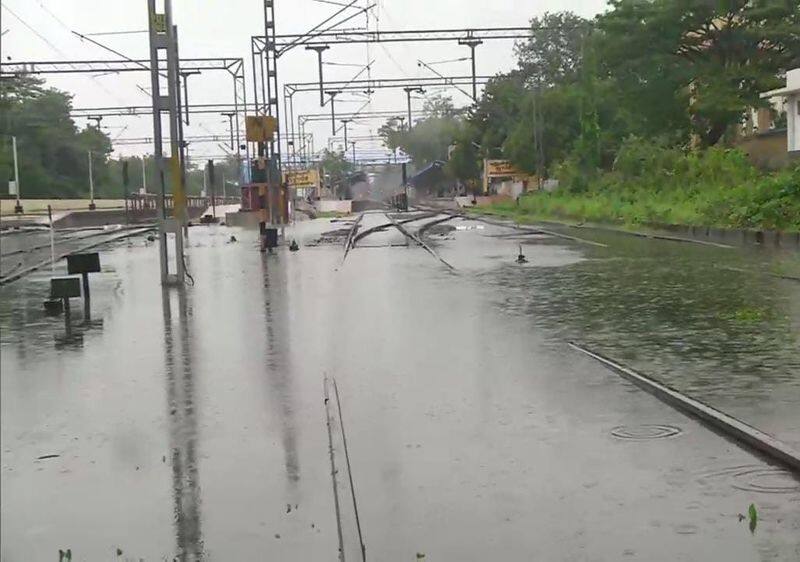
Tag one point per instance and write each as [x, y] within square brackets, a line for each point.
[207, 423]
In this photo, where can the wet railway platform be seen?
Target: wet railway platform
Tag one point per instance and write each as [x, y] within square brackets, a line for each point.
[299, 406]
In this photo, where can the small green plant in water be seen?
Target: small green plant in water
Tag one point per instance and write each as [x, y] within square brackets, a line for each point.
[752, 514]
[747, 315]
[65, 556]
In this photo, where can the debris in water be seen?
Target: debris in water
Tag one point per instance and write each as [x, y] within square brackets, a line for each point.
[293, 247]
[753, 515]
[43, 457]
[277, 535]
[521, 257]
[232, 239]
[420, 556]
[288, 508]
[119, 551]
[151, 238]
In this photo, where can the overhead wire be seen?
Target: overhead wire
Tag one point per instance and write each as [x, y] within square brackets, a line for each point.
[61, 22]
[33, 30]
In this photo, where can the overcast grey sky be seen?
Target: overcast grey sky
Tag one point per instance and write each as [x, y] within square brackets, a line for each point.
[217, 28]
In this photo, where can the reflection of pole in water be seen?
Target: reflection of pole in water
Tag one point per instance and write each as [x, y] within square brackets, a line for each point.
[278, 362]
[182, 429]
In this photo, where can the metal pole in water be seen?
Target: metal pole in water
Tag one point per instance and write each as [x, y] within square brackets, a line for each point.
[86, 297]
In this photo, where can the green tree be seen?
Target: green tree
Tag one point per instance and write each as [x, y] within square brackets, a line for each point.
[552, 53]
[698, 64]
[430, 138]
[53, 153]
[336, 170]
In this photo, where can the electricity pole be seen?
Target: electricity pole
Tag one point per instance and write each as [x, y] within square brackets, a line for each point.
[319, 49]
[333, 94]
[164, 46]
[144, 177]
[345, 122]
[230, 115]
[472, 43]
[92, 206]
[408, 90]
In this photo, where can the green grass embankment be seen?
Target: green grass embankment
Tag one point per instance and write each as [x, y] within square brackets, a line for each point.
[715, 190]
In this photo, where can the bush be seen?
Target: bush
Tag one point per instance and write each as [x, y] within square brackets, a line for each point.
[655, 184]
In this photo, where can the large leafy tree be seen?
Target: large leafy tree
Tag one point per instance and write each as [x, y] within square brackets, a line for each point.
[707, 60]
[53, 153]
[553, 52]
[429, 138]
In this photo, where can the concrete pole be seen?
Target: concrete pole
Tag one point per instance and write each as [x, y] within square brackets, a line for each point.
[91, 184]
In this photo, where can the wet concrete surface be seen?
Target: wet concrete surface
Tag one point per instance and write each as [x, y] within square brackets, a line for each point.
[193, 424]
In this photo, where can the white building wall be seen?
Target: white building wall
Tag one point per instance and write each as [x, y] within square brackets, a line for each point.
[793, 122]
[793, 110]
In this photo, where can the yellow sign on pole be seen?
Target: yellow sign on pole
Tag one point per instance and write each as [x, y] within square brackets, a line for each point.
[299, 179]
[260, 128]
[160, 23]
